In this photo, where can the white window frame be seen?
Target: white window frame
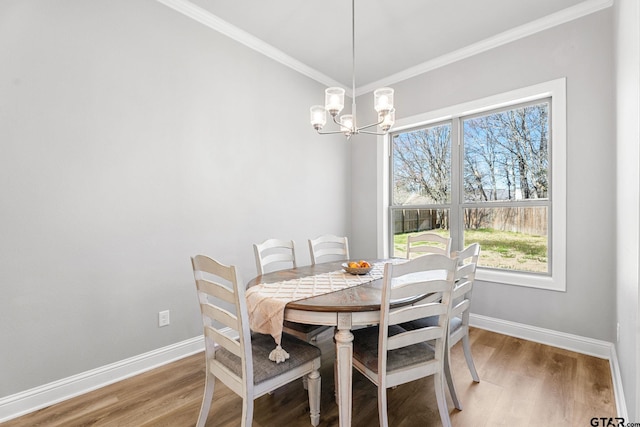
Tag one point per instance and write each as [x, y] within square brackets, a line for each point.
[554, 89]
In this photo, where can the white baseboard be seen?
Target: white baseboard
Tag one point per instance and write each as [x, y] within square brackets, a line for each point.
[22, 403]
[588, 346]
[621, 404]
[39, 397]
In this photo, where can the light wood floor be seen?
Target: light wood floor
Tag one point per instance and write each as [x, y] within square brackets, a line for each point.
[522, 384]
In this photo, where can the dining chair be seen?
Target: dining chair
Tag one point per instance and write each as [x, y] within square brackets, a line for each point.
[282, 252]
[239, 358]
[389, 355]
[273, 251]
[423, 243]
[328, 245]
[459, 323]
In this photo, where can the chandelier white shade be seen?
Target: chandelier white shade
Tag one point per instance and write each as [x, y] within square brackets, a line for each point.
[334, 104]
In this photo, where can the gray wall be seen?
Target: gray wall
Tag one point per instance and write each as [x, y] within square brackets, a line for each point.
[132, 137]
[627, 15]
[581, 51]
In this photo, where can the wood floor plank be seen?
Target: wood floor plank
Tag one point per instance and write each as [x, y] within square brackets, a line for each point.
[522, 383]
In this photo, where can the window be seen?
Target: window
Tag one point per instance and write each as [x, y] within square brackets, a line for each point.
[491, 171]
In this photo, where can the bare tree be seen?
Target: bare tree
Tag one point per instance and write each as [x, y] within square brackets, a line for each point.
[422, 165]
[506, 157]
[509, 150]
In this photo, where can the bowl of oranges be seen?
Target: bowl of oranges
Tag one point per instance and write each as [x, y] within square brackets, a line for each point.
[357, 267]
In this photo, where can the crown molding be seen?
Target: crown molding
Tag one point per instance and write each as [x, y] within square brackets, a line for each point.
[566, 15]
[212, 21]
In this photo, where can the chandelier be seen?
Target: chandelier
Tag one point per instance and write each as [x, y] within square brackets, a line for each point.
[334, 102]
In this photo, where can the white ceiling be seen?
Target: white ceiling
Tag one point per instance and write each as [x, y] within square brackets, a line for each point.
[394, 38]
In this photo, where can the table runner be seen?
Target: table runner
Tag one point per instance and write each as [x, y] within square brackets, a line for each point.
[266, 301]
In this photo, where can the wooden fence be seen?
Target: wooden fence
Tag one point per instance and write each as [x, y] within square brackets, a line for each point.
[529, 220]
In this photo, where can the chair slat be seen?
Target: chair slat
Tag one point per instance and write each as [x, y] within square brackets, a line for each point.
[216, 290]
[220, 315]
[413, 312]
[271, 258]
[462, 288]
[408, 290]
[461, 307]
[223, 340]
[413, 337]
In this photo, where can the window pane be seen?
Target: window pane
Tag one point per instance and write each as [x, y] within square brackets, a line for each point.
[506, 155]
[511, 238]
[422, 166]
[414, 221]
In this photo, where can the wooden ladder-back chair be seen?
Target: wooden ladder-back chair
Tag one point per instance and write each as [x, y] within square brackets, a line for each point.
[334, 247]
[273, 251]
[238, 358]
[459, 323]
[279, 251]
[389, 355]
[423, 243]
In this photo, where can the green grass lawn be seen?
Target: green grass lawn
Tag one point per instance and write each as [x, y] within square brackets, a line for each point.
[499, 249]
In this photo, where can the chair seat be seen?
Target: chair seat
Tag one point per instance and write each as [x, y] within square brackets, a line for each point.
[365, 349]
[264, 369]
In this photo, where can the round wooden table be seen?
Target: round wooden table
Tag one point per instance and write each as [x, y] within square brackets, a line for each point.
[355, 306]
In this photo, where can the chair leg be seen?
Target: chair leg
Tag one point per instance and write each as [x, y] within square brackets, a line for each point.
[209, 384]
[442, 400]
[247, 410]
[314, 396]
[467, 355]
[450, 382]
[335, 381]
[382, 406]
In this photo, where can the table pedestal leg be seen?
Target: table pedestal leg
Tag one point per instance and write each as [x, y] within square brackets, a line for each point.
[344, 354]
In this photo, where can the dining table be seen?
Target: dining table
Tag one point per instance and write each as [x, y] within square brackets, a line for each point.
[344, 309]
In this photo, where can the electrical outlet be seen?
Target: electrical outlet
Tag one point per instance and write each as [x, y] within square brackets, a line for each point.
[163, 318]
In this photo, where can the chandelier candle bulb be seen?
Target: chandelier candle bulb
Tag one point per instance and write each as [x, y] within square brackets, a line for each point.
[387, 119]
[383, 99]
[346, 121]
[334, 100]
[318, 116]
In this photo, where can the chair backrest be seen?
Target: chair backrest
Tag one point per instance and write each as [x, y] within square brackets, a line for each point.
[464, 278]
[431, 275]
[328, 245]
[219, 289]
[274, 251]
[423, 243]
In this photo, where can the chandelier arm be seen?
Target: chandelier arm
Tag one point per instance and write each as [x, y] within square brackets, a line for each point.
[330, 132]
[373, 133]
[371, 125]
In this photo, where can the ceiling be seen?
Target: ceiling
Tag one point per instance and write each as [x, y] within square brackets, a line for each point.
[394, 39]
